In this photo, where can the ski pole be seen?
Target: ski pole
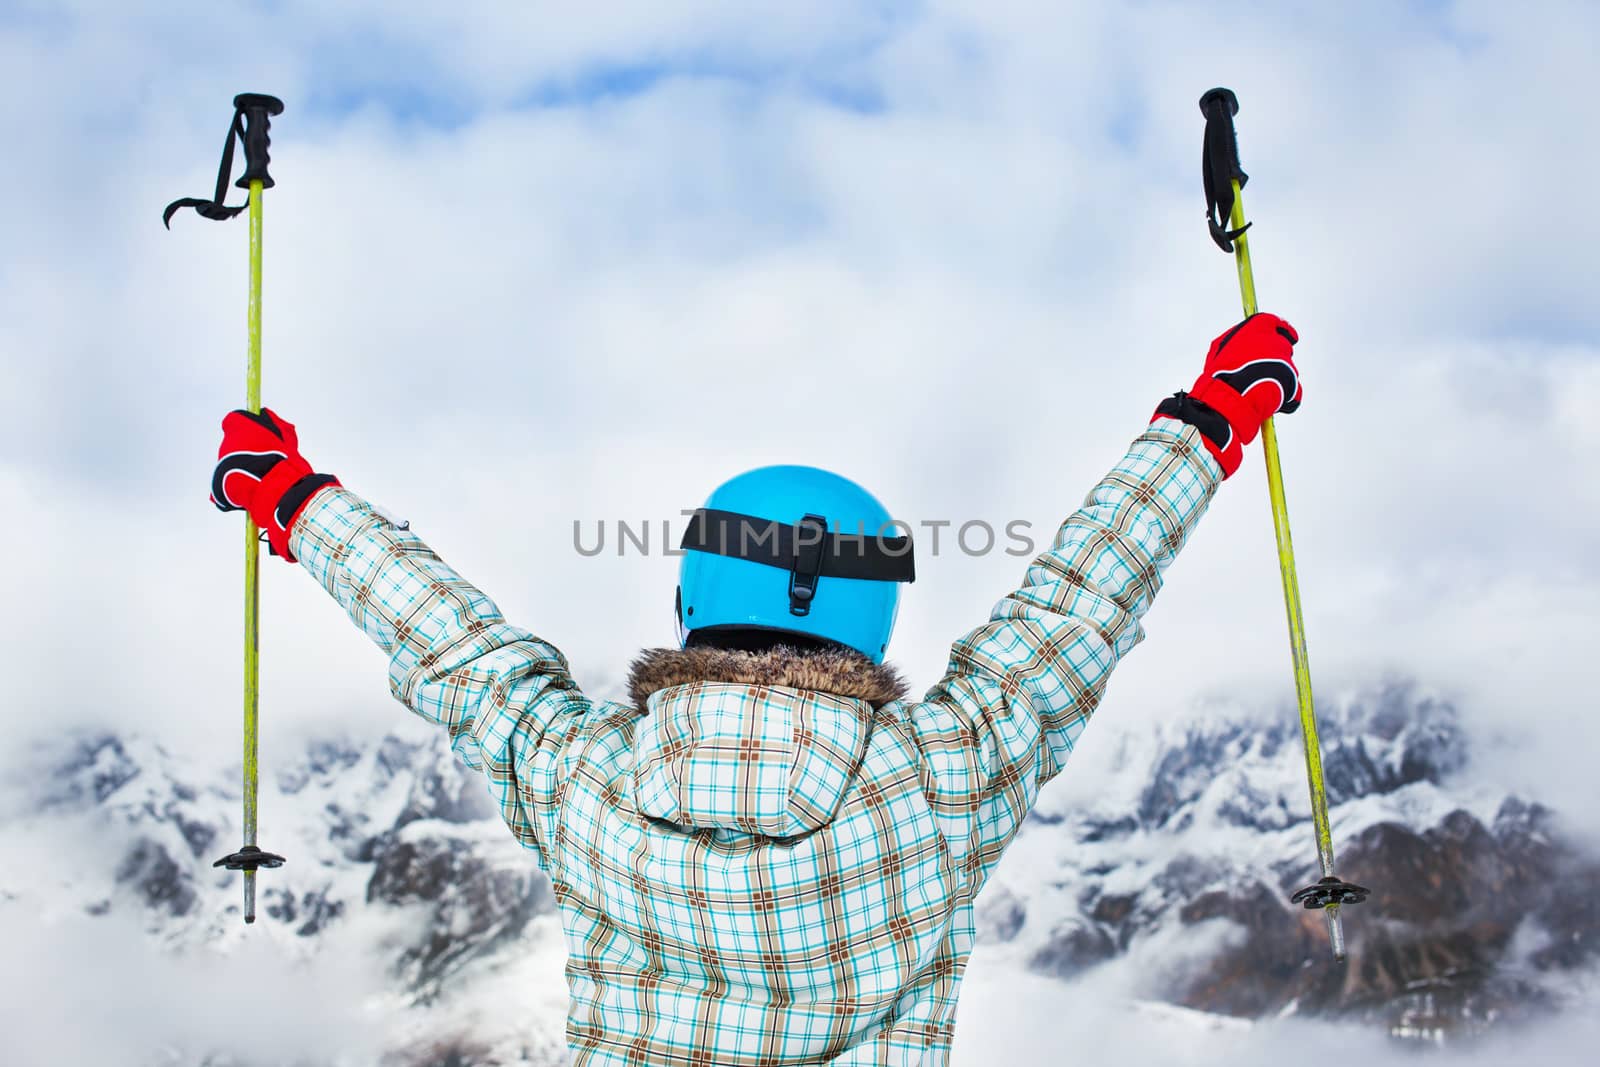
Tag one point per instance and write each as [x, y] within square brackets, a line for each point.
[1224, 178]
[252, 115]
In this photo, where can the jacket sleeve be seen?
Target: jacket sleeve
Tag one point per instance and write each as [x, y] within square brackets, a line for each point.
[506, 697]
[1019, 689]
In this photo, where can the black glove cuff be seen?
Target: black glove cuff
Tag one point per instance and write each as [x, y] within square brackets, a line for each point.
[1185, 408]
[297, 494]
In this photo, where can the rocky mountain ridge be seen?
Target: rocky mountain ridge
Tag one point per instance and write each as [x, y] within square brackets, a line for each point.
[1480, 911]
[1482, 914]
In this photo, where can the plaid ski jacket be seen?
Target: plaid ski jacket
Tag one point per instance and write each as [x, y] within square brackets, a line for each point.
[762, 874]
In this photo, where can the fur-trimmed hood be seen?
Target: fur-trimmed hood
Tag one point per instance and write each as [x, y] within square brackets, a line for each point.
[764, 743]
[839, 671]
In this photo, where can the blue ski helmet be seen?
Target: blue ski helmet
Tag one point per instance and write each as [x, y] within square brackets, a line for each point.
[797, 550]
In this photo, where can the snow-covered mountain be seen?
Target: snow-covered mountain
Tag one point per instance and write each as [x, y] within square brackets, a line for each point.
[1480, 912]
[402, 882]
[401, 885]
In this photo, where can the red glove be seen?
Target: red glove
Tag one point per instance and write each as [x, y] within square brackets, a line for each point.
[260, 470]
[1249, 377]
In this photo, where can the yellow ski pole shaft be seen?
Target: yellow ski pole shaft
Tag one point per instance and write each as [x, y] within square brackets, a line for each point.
[1221, 156]
[252, 115]
[1291, 600]
[252, 570]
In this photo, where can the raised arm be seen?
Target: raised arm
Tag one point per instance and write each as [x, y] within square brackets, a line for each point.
[1019, 690]
[505, 697]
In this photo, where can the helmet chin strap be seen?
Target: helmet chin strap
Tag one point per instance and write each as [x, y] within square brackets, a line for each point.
[677, 618]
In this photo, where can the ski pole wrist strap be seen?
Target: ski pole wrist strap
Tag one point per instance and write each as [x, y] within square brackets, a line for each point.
[1219, 165]
[252, 117]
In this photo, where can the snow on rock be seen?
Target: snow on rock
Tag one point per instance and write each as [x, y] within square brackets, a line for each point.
[399, 878]
[1165, 885]
[1223, 837]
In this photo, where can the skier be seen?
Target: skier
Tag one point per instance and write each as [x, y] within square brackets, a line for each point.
[769, 855]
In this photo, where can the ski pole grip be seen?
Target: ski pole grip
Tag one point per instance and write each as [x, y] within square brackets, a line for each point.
[1219, 164]
[257, 109]
[1219, 106]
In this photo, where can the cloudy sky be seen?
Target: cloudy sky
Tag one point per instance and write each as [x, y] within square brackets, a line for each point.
[529, 265]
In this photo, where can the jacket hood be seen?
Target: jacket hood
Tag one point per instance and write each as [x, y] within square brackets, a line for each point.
[764, 743]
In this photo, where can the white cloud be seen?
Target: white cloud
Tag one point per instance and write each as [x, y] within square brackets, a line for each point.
[116, 997]
[1024, 1018]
